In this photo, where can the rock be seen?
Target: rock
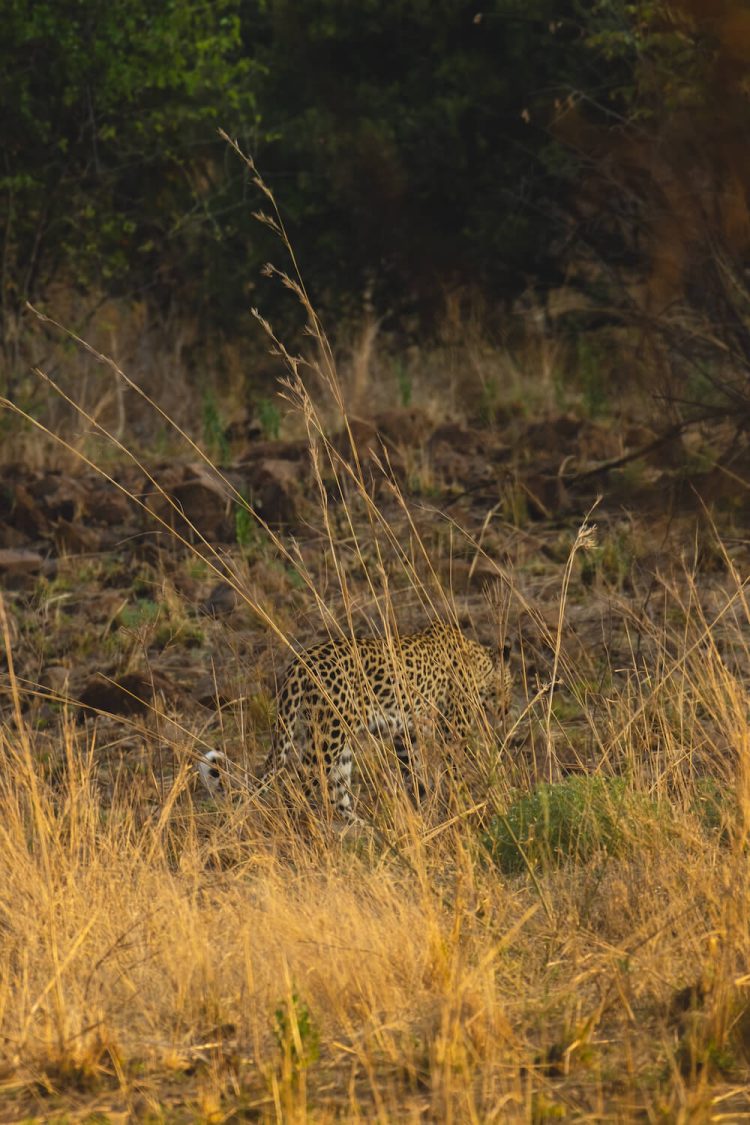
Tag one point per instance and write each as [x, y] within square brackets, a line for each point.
[277, 450]
[205, 507]
[25, 513]
[222, 600]
[546, 495]
[455, 437]
[11, 536]
[275, 487]
[56, 677]
[390, 429]
[407, 427]
[109, 506]
[60, 496]
[75, 538]
[211, 693]
[201, 504]
[130, 694]
[363, 434]
[17, 561]
[371, 446]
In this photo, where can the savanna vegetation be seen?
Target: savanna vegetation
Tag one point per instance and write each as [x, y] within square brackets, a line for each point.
[324, 319]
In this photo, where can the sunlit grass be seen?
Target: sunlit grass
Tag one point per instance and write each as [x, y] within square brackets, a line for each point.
[505, 952]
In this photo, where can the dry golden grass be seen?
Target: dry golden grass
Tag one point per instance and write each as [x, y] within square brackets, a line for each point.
[168, 959]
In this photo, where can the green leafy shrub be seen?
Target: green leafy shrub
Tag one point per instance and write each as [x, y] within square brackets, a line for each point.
[715, 806]
[296, 1034]
[245, 527]
[113, 169]
[269, 417]
[214, 430]
[567, 821]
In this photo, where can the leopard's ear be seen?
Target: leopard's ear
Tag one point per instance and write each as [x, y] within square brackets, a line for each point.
[507, 650]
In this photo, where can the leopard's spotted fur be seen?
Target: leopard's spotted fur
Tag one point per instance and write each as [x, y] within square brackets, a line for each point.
[337, 689]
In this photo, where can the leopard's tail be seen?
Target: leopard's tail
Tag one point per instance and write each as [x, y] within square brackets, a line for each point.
[222, 776]
[216, 770]
[212, 768]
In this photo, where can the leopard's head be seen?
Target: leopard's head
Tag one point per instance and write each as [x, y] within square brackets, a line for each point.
[494, 677]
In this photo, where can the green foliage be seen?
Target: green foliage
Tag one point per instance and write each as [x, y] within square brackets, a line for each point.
[214, 430]
[612, 558]
[490, 400]
[113, 173]
[269, 417]
[420, 147]
[414, 139]
[245, 528]
[143, 612]
[570, 820]
[296, 1035]
[592, 376]
[716, 808]
[154, 621]
[405, 384]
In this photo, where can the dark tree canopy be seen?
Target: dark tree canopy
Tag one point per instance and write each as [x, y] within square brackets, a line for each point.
[112, 173]
[414, 146]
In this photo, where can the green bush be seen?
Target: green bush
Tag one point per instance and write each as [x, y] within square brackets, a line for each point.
[568, 821]
[113, 172]
[716, 807]
[409, 146]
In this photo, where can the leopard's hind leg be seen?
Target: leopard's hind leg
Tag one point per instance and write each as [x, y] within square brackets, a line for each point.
[409, 764]
[339, 779]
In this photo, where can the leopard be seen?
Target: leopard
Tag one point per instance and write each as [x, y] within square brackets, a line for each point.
[338, 689]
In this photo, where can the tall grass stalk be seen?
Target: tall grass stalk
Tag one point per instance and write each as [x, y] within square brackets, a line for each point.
[165, 956]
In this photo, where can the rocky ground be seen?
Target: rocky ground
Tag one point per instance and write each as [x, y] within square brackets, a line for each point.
[131, 585]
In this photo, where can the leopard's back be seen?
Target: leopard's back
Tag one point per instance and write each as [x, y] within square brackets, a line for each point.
[375, 684]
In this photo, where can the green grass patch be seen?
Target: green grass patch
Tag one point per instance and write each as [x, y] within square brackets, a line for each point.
[716, 808]
[569, 821]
